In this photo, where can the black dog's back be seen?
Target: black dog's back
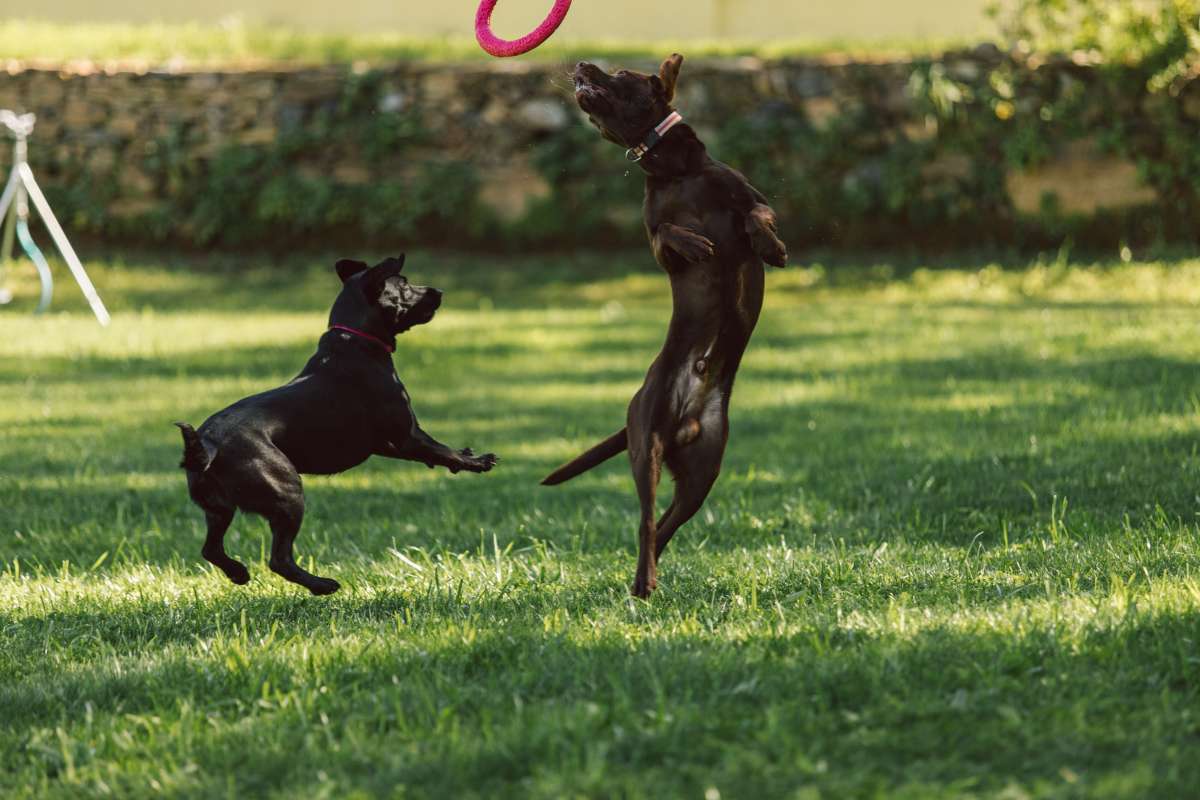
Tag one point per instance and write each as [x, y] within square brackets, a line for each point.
[326, 420]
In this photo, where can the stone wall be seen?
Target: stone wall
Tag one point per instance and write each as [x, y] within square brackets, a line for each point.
[132, 152]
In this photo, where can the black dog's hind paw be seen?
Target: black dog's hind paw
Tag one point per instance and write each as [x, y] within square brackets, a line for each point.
[237, 572]
[234, 570]
[322, 586]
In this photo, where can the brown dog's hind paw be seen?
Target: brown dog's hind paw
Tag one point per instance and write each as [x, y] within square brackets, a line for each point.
[643, 589]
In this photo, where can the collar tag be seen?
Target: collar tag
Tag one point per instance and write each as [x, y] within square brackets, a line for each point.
[655, 136]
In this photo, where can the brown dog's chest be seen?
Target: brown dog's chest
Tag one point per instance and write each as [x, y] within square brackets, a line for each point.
[724, 288]
[695, 205]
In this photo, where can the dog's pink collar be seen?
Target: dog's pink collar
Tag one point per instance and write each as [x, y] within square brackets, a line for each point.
[391, 348]
[655, 136]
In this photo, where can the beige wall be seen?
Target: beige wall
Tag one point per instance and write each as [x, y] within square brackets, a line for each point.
[589, 19]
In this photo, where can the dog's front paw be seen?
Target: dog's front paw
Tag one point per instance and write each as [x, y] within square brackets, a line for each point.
[774, 252]
[474, 463]
[764, 236]
[693, 246]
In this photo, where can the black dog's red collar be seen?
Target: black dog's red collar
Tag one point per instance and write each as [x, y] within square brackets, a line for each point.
[391, 348]
[654, 137]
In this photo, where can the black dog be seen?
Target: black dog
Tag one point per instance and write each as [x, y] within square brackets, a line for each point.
[711, 231]
[345, 406]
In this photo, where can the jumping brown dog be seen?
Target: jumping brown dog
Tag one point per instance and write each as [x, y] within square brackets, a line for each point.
[711, 231]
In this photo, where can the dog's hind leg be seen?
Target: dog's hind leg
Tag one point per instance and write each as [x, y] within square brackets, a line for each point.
[646, 458]
[691, 491]
[285, 526]
[696, 468]
[214, 546]
[271, 487]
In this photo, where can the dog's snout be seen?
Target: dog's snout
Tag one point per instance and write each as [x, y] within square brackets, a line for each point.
[588, 86]
[586, 72]
[433, 297]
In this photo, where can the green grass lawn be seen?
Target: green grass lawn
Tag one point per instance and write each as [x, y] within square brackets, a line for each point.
[953, 551]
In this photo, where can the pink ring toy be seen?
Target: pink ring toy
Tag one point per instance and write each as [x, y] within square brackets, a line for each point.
[503, 48]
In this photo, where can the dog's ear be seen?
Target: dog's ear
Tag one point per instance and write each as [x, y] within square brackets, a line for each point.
[669, 75]
[379, 275]
[392, 265]
[347, 268]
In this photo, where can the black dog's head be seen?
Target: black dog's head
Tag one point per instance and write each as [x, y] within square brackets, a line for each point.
[626, 105]
[381, 301]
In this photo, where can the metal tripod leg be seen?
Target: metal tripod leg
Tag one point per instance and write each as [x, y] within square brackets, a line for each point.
[6, 248]
[39, 261]
[60, 240]
[17, 222]
[6, 204]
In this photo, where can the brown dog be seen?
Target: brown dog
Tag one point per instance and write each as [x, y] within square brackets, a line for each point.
[711, 231]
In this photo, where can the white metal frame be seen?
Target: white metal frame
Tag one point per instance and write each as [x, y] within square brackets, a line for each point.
[14, 209]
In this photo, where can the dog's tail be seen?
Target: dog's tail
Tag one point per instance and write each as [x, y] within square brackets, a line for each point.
[592, 458]
[197, 456]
